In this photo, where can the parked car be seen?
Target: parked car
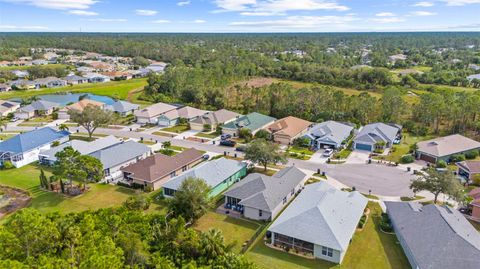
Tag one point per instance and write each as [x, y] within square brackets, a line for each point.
[241, 148]
[328, 153]
[13, 119]
[227, 143]
[396, 141]
[206, 157]
[225, 136]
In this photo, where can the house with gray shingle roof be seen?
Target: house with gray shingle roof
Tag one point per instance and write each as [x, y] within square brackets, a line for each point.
[261, 197]
[253, 122]
[74, 79]
[36, 108]
[213, 119]
[434, 236]
[123, 108]
[376, 135]
[320, 222]
[443, 148]
[329, 134]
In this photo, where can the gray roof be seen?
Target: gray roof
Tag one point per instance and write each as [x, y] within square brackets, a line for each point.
[213, 172]
[330, 131]
[220, 116]
[472, 77]
[40, 105]
[266, 193]
[74, 78]
[376, 132]
[122, 106]
[436, 236]
[322, 215]
[120, 153]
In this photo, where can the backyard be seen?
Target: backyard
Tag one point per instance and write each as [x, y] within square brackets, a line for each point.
[370, 248]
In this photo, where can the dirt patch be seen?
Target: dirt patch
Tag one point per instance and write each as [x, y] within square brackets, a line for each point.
[256, 82]
[12, 199]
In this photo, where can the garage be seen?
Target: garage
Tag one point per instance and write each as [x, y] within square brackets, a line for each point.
[363, 147]
[428, 158]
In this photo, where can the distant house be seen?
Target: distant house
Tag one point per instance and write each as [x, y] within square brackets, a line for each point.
[213, 119]
[51, 82]
[117, 75]
[156, 170]
[36, 108]
[74, 80]
[219, 174]
[140, 73]
[151, 113]
[285, 130]
[20, 73]
[120, 155]
[397, 57]
[7, 107]
[443, 148]
[85, 69]
[468, 169]
[39, 62]
[434, 236]
[472, 77]
[329, 134]
[474, 67]
[5, 87]
[376, 135]
[23, 84]
[47, 157]
[123, 108]
[96, 78]
[320, 222]
[79, 106]
[253, 122]
[261, 197]
[474, 205]
[172, 117]
[157, 67]
[23, 149]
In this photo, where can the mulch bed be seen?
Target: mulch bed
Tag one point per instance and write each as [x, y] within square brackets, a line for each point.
[16, 199]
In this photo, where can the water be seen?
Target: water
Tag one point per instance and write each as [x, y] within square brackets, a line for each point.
[64, 99]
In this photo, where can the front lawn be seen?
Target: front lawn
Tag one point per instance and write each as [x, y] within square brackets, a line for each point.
[397, 151]
[207, 135]
[370, 248]
[180, 128]
[235, 231]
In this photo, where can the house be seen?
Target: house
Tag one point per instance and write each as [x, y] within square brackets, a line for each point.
[24, 148]
[47, 157]
[74, 80]
[253, 122]
[120, 155]
[285, 130]
[20, 73]
[474, 67]
[475, 204]
[434, 236]
[123, 108]
[443, 148]
[23, 84]
[51, 82]
[96, 78]
[397, 57]
[85, 69]
[117, 75]
[468, 169]
[261, 197]
[320, 222]
[472, 77]
[156, 170]
[7, 107]
[150, 114]
[39, 62]
[329, 134]
[213, 119]
[173, 117]
[376, 136]
[78, 106]
[219, 175]
[5, 87]
[36, 108]
[140, 73]
[157, 67]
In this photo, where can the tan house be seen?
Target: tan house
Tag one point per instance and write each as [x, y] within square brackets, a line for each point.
[475, 204]
[213, 119]
[285, 130]
[158, 169]
[150, 115]
[443, 148]
[78, 106]
[7, 107]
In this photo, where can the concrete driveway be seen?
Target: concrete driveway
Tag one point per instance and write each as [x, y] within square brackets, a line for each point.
[358, 157]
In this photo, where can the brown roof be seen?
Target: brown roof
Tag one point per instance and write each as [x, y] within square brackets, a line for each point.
[289, 126]
[447, 145]
[82, 104]
[158, 166]
[471, 166]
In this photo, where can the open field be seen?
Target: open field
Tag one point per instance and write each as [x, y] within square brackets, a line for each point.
[7, 68]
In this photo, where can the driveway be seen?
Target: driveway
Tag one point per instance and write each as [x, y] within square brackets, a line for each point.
[358, 157]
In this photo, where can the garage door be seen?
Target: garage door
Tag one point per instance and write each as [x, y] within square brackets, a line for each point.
[427, 158]
[363, 147]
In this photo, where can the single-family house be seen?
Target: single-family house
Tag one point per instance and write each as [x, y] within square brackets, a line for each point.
[376, 136]
[468, 169]
[7, 107]
[96, 78]
[79, 106]
[213, 119]
[118, 75]
[219, 175]
[140, 73]
[36, 108]
[262, 197]
[123, 108]
[285, 130]
[47, 157]
[157, 67]
[253, 122]
[23, 84]
[474, 67]
[39, 62]
[397, 57]
[150, 114]
[24, 148]
[51, 82]
[329, 134]
[172, 117]
[20, 73]
[474, 205]
[5, 87]
[120, 155]
[74, 80]
[85, 69]
[443, 148]
[320, 222]
[472, 77]
[157, 169]
[434, 236]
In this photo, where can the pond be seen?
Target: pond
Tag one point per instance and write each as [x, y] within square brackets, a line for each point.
[64, 99]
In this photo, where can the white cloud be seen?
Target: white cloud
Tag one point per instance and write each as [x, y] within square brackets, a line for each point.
[385, 14]
[18, 27]
[423, 4]
[276, 7]
[460, 2]
[423, 13]
[108, 20]
[234, 5]
[199, 21]
[82, 13]
[161, 21]
[302, 22]
[56, 4]
[145, 12]
[388, 20]
[183, 3]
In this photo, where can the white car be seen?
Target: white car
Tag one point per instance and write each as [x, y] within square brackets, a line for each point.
[328, 153]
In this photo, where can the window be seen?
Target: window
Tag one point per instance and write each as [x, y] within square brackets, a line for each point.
[293, 192]
[327, 252]
[172, 174]
[184, 168]
[169, 192]
[260, 213]
[284, 200]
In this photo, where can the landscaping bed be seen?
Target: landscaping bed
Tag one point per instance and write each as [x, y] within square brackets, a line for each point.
[12, 199]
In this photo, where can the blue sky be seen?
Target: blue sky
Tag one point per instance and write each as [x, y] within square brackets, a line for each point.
[239, 15]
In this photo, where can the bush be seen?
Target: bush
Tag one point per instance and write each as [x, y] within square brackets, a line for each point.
[458, 158]
[137, 203]
[407, 159]
[301, 142]
[262, 134]
[472, 154]
[476, 179]
[7, 165]
[441, 164]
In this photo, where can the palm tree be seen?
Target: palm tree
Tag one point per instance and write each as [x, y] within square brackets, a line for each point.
[213, 244]
[63, 127]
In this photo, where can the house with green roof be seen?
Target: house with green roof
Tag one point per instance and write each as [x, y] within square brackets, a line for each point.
[253, 122]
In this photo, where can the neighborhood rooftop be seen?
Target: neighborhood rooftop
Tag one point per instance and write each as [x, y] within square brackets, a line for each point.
[447, 145]
[252, 121]
[120, 153]
[30, 140]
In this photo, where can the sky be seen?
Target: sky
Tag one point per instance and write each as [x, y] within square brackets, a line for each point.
[238, 15]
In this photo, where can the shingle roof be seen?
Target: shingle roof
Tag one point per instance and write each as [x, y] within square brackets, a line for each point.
[213, 172]
[186, 112]
[120, 153]
[122, 106]
[289, 126]
[266, 193]
[322, 215]
[332, 131]
[447, 145]
[470, 166]
[30, 140]
[74, 78]
[252, 121]
[436, 237]
[376, 132]
[220, 116]
[154, 110]
[82, 104]
[39, 105]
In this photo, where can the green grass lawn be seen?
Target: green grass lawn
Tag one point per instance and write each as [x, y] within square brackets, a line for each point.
[15, 67]
[369, 249]
[162, 134]
[6, 136]
[235, 231]
[403, 148]
[207, 135]
[180, 128]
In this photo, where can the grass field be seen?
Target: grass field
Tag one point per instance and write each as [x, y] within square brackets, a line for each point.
[7, 68]
[370, 248]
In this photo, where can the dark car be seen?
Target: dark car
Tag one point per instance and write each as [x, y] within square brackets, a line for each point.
[225, 137]
[241, 148]
[227, 143]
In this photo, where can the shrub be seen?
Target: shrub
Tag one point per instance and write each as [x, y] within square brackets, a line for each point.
[55, 143]
[407, 159]
[137, 203]
[207, 127]
[262, 134]
[301, 142]
[7, 165]
[472, 154]
[476, 179]
[441, 164]
[457, 158]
